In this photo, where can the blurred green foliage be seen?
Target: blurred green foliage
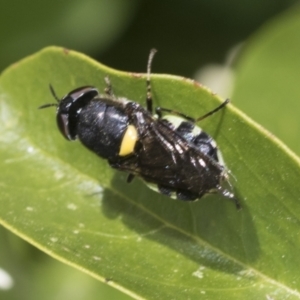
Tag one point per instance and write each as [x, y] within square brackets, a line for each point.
[267, 83]
[188, 35]
[88, 26]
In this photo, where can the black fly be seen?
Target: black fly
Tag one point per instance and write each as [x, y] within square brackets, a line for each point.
[170, 153]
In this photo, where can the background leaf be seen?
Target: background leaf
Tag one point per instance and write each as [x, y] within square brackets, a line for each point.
[67, 202]
[267, 76]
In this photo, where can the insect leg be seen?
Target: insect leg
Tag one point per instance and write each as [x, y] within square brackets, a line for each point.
[213, 111]
[108, 90]
[229, 195]
[159, 110]
[148, 82]
[130, 178]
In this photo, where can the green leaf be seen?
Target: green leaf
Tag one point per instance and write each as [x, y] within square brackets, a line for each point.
[267, 82]
[66, 201]
[26, 273]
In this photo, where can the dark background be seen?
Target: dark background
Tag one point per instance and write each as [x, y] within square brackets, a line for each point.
[119, 33]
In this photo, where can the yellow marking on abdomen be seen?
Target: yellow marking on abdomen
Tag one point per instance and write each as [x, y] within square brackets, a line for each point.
[128, 141]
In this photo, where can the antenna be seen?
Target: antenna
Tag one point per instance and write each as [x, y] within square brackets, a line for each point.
[55, 97]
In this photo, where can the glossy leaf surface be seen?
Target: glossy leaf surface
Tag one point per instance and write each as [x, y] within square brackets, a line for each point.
[69, 203]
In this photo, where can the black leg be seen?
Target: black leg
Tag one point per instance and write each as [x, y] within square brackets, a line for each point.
[229, 195]
[159, 110]
[213, 111]
[108, 90]
[148, 82]
[130, 178]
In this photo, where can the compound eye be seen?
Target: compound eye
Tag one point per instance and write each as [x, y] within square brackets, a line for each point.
[69, 109]
[84, 93]
[63, 125]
